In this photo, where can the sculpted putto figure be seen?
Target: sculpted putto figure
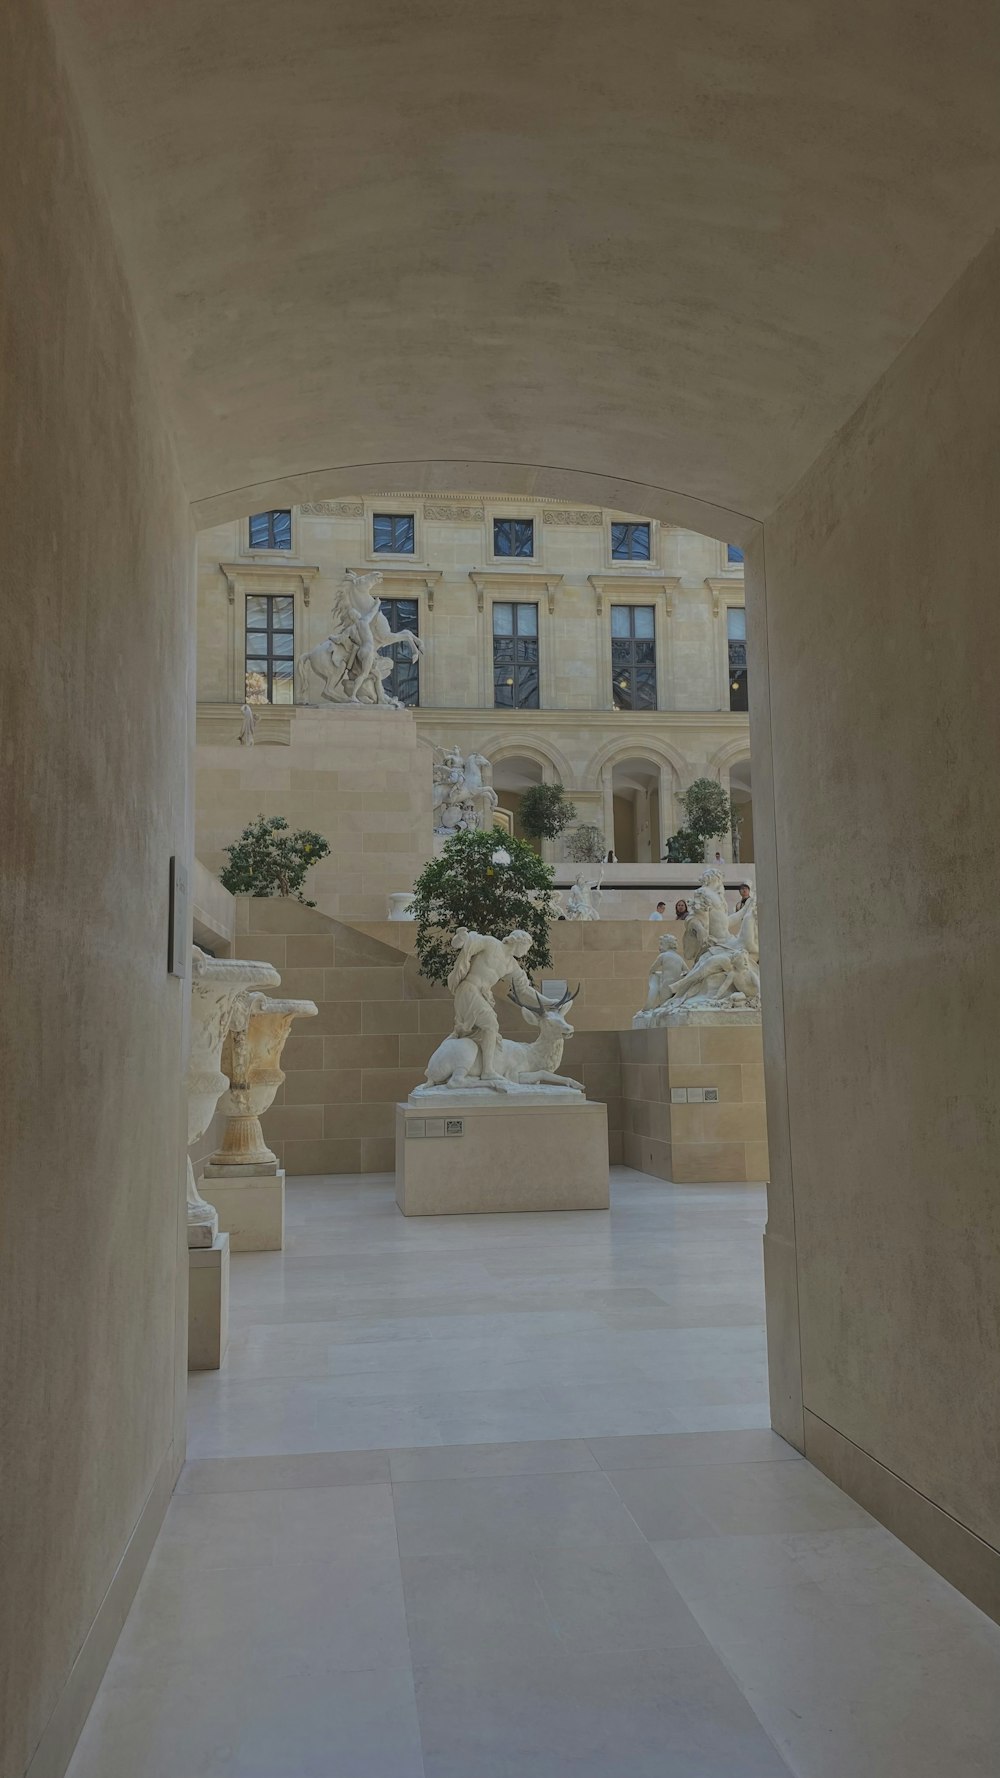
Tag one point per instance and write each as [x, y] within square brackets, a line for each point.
[472, 1055]
[666, 971]
[349, 661]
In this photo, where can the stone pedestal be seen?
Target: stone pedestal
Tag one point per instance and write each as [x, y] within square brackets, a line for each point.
[693, 1099]
[251, 1206]
[479, 1153]
[208, 1305]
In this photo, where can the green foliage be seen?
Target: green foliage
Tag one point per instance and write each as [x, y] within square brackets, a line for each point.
[587, 844]
[545, 810]
[709, 812]
[268, 860]
[469, 886]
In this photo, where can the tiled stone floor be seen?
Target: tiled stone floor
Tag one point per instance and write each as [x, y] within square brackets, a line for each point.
[496, 1498]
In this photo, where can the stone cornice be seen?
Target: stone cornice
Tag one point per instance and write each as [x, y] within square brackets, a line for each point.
[259, 573]
[631, 582]
[509, 580]
[719, 588]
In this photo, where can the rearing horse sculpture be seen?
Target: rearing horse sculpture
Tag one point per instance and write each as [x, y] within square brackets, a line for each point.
[349, 661]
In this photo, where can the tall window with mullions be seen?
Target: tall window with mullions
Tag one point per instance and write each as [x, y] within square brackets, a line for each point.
[404, 681]
[736, 629]
[515, 656]
[633, 657]
[270, 648]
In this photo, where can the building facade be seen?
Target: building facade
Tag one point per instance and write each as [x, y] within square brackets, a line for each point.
[562, 642]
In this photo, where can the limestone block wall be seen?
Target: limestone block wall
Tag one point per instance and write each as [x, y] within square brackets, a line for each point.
[695, 1143]
[610, 959]
[95, 673]
[883, 1243]
[361, 778]
[378, 1022]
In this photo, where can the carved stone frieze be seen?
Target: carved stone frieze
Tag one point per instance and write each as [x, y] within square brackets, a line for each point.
[440, 510]
[568, 515]
[333, 509]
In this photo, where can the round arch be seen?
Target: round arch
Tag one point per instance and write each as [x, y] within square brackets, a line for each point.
[729, 755]
[450, 475]
[543, 753]
[657, 751]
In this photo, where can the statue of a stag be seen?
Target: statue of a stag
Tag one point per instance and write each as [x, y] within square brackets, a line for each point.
[457, 1061]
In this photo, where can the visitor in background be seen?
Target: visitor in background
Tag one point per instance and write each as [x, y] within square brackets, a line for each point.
[719, 863]
[680, 910]
[611, 859]
[660, 911]
[744, 892]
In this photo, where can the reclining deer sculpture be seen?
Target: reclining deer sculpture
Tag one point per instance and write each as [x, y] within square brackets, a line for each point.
[457, 1061]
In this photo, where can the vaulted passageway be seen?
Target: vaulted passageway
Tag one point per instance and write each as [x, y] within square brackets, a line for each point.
[750, 289]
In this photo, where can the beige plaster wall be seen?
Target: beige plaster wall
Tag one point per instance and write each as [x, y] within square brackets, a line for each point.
[97, 569]
[879, 862]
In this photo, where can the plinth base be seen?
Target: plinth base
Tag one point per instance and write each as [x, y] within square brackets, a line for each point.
[456, 1158]
[208, 1305]
[251, 1207]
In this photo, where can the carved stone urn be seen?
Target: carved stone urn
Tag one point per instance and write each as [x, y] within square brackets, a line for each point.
[400, 905]
[216, 985]
[251, 1057]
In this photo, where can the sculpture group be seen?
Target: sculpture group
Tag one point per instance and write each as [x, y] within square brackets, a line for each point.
[463, 797]
[349, 662]
[719, 970]
[475, 1054]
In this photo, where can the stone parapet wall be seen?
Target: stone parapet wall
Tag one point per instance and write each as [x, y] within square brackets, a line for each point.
[361, 778]
[610, 959]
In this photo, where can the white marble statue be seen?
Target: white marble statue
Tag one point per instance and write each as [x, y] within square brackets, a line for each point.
[251, 1059]
[216, 985]
[349, 662]
[667, 970]
[249, 724]
[579, 905]
[475, 1055]
[463, 796]
[723, 976]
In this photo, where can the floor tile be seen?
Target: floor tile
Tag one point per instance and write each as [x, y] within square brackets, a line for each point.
[532, 1457]
[634, 1714]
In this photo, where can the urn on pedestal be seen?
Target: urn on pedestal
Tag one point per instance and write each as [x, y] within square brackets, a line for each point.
[251, 1057]
[216, 985]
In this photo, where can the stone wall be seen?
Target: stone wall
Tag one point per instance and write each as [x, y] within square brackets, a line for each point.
[695, 1142]
[95, 674]
[609, 959]
[378, 1022]
[881, 986]
[361, 778]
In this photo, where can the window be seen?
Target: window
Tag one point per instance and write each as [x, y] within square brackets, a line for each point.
[633, 657]
[736, 626]
[733, 554]
[392, 533]
[513, 537]
[404, 681]
[271, 530]
[515, 657]
[270, 650]
[630, 543]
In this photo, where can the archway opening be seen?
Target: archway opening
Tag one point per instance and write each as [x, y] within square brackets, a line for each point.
[741, 792]
[511, 778]
[636, 804]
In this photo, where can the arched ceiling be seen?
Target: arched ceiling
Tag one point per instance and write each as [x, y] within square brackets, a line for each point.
[668, 245]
